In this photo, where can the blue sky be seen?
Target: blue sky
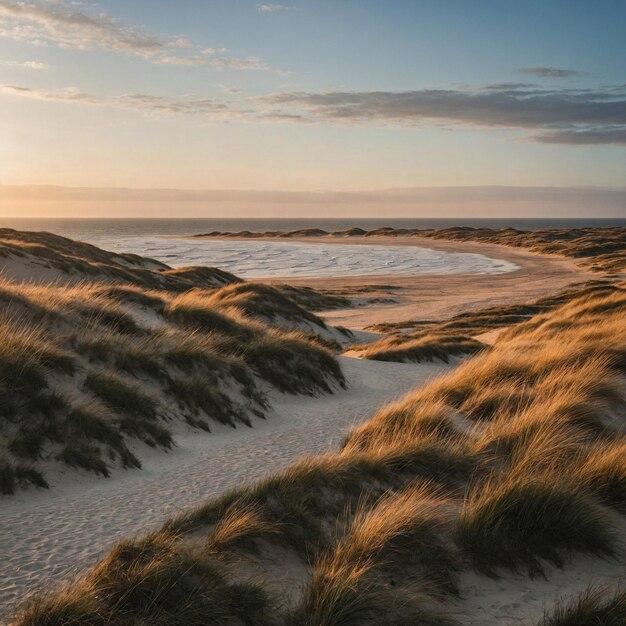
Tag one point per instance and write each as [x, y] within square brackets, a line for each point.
[312, 95]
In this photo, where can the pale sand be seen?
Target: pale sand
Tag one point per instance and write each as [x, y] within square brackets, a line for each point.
[517, 600]
[48, 535]
[438, 297]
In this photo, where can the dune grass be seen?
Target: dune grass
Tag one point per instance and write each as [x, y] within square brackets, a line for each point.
[74, 262]
[513, 462]
[239, 527]
[602, 469]
[292, 363]
[600, 249]
[155, 581]
[85, 368]
[418, 341]
[265, 302]
[518, 522]
[595, 606]
[426, 348]
[314, 299]
[13, 476]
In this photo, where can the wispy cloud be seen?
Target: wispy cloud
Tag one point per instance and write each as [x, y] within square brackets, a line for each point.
[62, 24]
[228, 89]
[234, 63]
[615, 135]
[548, 72]
[556, 116]
[275, 8]
[221, 62]
[565, 116]
[31, 65]
[154, 104]
[79, 26]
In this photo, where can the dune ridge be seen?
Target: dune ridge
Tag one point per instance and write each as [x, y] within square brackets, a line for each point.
[511, 466]
[466, 333]
[100, 359]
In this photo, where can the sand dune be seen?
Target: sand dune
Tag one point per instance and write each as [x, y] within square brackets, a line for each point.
[47, 536]
[426, 458]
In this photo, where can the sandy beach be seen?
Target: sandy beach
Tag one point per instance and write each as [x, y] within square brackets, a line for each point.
[428, 297]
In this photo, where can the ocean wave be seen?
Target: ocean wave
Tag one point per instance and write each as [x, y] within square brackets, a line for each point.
[256, 259]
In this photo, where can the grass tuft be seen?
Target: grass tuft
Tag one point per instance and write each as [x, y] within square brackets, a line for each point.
[517, 522]
[593, 607]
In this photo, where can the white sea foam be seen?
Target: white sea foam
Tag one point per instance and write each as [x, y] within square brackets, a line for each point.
[261, 259]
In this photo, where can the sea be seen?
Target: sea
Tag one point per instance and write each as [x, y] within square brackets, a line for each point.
[89, 229]
[170, 241]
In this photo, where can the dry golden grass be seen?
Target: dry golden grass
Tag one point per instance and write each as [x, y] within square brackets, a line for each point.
[72, 262]
[521, 519]
[595, 606]
[264, 302]
[510, 463]
[86, 367]
[424, 348]
[429, 341]
[239, 526]
[349, 583]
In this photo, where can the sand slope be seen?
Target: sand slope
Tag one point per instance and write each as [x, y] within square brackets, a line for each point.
[52, 534]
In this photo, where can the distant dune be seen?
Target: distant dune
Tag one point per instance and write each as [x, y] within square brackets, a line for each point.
[602, 249]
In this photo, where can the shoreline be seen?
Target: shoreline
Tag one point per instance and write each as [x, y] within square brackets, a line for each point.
[439, 296]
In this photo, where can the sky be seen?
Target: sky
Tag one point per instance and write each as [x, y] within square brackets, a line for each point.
[405, 107]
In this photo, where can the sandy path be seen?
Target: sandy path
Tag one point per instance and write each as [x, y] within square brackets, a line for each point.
[50, 535]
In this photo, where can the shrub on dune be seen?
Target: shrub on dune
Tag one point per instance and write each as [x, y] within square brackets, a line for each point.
[195, 310]
[415, 418]
[293, 364]
[17, 475]
[348, 583]
[120, 396]
[138, 411]
[592, 607]
[239, 527]
[518, 522]
[197, 393]
[89, 422]
[422, 349]
[152, 581]
[81, 453]
[85, 337]
[80, 305]
[264, 302]
[26, 356]
[603, 471]
[405, 529]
